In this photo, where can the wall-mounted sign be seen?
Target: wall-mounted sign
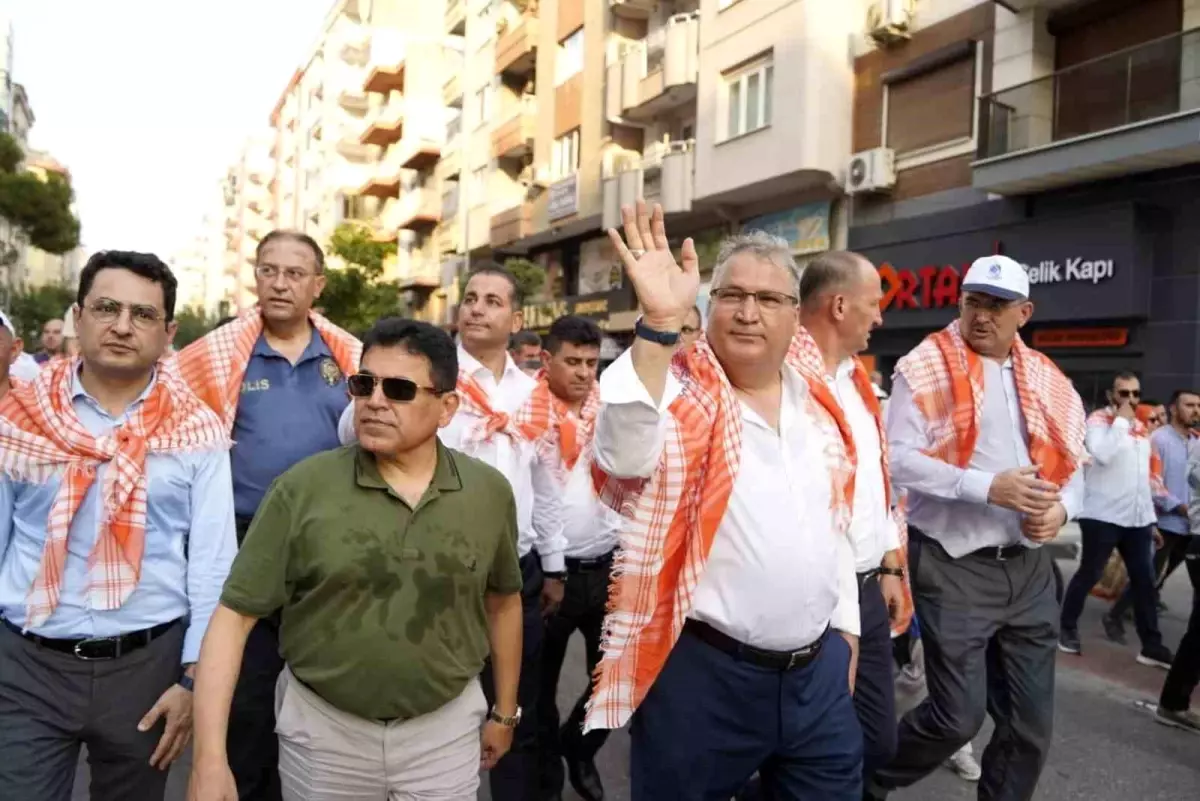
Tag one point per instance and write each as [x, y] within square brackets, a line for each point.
[539, 316]
[563, 198]
[806, 228]
[1081, 338]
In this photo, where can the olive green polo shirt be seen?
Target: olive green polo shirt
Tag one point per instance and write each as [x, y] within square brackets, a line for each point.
[382, 604]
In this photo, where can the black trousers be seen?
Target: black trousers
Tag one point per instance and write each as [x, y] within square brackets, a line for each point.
[252, 744]
[51, 703]
[1135, 546]
[582, 610]
[1166, 559]
[515, 776]
[1184, 674]
[874, 681]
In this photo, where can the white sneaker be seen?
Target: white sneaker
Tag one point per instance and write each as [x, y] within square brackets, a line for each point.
[963, 763]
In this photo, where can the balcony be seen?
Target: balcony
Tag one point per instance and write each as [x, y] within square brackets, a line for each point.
[516, 47]
[452, 93]
[451, 161]
[1131, 111]
[448, 235]
[456, 17]
[419, 209]
[511, 225]
[355, 46]
[351, 146]
[418, 153]
[385, 176]
[353, 99]
[384, 123]
[416, 269]
[632, 9]
[664, 175]
[385, 72]
[513, 136]
[658, 74]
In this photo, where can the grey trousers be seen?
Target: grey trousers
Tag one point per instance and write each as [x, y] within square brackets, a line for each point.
[51, 703]
[990, 630]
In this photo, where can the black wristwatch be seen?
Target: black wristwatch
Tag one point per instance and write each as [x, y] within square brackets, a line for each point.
[187, 683]
[557, 575]
[665, 338]
[892, 571]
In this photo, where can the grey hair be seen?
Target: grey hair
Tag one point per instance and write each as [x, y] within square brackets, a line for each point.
[762, 245]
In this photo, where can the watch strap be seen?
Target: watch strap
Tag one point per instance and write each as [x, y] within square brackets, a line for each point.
[892, 571]
[665, 338]
[557, 575]
[187, 683]
[511, 721]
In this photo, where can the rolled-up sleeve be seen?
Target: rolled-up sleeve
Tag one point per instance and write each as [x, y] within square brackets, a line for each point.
[630, 429]
[212, 545]
[912, 469]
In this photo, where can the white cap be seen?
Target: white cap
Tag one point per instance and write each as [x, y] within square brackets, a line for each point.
[7, 324]
[998, 276]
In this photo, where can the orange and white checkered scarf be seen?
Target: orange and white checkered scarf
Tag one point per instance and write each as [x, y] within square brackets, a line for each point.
[1138, 430]
[672, 518]
[41, 437]
[561, 436]
[473, 398]
[214, 365]
[808, 356]
[946, 379]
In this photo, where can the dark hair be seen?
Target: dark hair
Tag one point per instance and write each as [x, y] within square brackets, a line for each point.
[524, 337]
[1151, 402]
[419, 339]
[1179, 393]
[1124, 375]
[145, 265]
[492, 268]
[286, 235]
[575, 330]
[223, 321]
[827, 271]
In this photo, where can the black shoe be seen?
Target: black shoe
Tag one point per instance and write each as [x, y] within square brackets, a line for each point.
[1114, 629]
[1188, 721]
[1159, 656]
[1068, 641]
[581, 771]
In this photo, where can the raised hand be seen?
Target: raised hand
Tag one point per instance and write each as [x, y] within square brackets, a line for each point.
[665, 290]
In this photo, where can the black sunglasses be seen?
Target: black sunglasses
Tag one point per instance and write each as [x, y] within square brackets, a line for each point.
[400, 390]
[1129, 393]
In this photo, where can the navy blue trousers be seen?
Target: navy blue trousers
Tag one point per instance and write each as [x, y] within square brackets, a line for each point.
[710, 721]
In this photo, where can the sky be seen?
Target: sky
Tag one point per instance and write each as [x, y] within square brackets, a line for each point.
[147, 102]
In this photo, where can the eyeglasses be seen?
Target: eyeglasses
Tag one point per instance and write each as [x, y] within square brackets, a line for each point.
[1128, 393]
[399, 390]
[107, 312]
[294, 275]
[688, 330]
[733, 297]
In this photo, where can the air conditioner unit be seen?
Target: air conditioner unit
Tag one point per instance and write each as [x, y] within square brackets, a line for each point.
[889, 22]
[871, 171]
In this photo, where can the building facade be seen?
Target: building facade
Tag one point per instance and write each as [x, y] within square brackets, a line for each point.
[247, 215]
[995, 128]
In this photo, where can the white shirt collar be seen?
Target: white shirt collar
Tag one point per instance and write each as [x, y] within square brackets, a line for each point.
[473, 366]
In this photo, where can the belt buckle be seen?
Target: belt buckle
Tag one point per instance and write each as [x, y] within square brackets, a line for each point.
[1000, 557]
[80, 647]
[794, 658]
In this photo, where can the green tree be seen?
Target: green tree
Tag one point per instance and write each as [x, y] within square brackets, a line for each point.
[31, 307]
[193, 323]
[39, 208]
[356, 295]
[530, 275]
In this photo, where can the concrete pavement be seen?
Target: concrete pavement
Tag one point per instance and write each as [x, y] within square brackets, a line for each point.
[1105, 748]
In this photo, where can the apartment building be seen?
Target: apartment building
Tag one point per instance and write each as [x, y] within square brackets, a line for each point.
[1062, 133]
[247, 215]
[569, 108]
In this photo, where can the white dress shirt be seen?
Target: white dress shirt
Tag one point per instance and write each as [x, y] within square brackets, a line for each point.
[948, 503]
[590, 527]
[872, 529]
[537, 492]
[1117, 482]
[777, 574]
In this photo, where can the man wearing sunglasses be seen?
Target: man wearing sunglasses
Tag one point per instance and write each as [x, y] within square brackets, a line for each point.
[276, 376]
[394, 564]
[1121, 482]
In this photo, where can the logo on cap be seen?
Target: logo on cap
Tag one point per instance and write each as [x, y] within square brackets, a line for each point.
[994, 270]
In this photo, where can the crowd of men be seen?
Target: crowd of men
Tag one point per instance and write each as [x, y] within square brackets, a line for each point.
[349, 569]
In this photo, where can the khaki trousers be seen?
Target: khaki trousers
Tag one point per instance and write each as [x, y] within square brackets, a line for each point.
[326, 754]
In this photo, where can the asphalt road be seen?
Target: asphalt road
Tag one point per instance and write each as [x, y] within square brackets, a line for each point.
[1105, 747]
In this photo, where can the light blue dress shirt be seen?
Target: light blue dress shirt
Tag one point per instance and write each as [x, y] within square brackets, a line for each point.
[190, 542]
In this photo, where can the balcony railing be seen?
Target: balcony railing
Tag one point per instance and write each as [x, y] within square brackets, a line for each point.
[516, 46]
[657, 73]
[1153, 80]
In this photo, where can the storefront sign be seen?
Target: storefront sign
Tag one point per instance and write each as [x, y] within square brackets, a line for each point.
[563, 198]
[539, 316]
[1082, 267]
[1081, 338]
[806, 228]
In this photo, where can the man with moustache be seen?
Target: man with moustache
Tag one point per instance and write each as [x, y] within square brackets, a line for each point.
[560, 415]
[116, 533]
[52, 341]
[387, 621]
[734, 565]
[986, 435]
[491, 390]
[276, 376]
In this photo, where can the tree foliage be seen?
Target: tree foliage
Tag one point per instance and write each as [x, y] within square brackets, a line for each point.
[194, 322]
[39, 209]
[530, 275]
[31, 307]
[356, 295]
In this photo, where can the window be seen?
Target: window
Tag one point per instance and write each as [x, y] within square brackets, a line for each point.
[568, 62]
[565, 158]
[481, 102]
[748, 98]
[478, 187]
[933, 108]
